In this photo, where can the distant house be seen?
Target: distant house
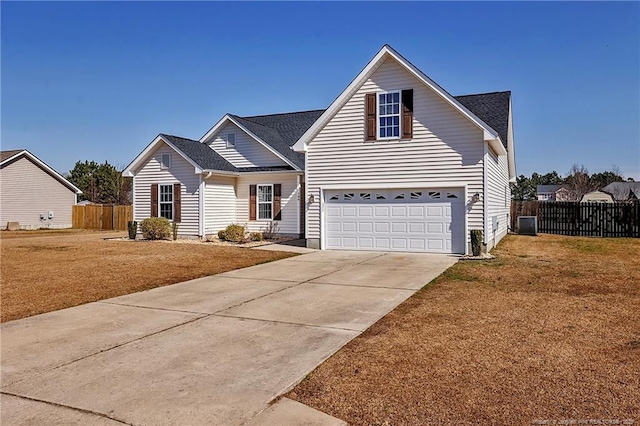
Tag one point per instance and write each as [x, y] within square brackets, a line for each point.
[624, 191]
[32, 193]
[597, 196]
[552, 193]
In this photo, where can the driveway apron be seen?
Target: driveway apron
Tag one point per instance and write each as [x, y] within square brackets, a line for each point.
[215, 350]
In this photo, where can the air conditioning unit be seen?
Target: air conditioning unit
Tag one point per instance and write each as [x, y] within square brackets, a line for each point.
[528, 225]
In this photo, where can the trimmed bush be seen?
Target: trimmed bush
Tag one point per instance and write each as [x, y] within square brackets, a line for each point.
[476, 241]
[234, 233]
[257, 236]
[132, 226]
[174, 229]
[155, 228]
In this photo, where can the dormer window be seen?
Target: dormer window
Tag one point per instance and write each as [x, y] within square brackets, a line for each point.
[231, 140]
[389, 115]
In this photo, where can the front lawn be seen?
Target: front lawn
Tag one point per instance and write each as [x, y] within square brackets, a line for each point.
[44, 271]
[548, 331]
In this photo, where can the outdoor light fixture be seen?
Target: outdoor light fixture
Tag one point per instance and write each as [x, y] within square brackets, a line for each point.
[475, 198]
[311, 199]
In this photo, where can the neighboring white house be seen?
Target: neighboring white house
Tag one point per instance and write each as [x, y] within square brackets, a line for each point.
[394, 163]
[552, 193]
[32, 193]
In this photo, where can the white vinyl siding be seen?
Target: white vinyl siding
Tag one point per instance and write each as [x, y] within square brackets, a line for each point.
[288, 201]
[219, 203]
[446, 148]
[27, 191]
[497, 190]
[181, 172]
[247, 152]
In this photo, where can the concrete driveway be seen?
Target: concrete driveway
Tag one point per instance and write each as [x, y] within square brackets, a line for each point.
[215, 350]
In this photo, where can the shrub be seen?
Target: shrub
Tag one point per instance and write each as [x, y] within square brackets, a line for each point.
[155, 228]
[476, 241]
[175, 230]
[132, 226]
[234, 233]
[257, 236]
[271, 230]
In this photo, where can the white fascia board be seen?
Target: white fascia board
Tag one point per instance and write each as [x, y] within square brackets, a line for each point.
[129, 171]
[511, 154]
[227, 118]
[388, 51]
[224, 173]
[46, 168]
[497, 146]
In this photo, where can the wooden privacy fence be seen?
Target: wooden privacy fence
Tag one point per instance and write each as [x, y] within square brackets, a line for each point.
[581, 219]
[104, 217]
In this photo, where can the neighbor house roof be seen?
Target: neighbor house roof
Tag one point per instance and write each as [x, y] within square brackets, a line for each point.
[492, 108]
[623, 190]
[4, 155]
[7, 157]
[547, 188]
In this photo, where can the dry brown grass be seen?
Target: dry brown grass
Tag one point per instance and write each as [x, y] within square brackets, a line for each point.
[547, 331]
[44, 271]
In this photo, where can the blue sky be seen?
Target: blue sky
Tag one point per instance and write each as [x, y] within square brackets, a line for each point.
[98, 81]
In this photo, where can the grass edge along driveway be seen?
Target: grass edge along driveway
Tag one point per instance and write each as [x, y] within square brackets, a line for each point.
[548, 331]
[46, 271]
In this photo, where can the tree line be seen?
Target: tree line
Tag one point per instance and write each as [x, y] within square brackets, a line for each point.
[577, 182]
[101, 183]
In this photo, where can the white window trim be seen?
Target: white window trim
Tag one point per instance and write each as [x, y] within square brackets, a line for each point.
[388, 138]
[160, 202]
[162, 164]
[258, 202]
[230, 145]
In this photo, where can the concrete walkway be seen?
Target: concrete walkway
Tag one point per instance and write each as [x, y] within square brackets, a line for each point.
[215, 350]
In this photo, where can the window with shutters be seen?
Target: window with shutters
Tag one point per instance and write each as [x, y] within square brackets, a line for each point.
[389, 115]
[265, 202]
[165, 201]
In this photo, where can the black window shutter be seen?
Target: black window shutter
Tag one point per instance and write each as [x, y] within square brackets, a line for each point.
[407, 114]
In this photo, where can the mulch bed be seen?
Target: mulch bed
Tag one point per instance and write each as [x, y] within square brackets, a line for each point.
[548, 331]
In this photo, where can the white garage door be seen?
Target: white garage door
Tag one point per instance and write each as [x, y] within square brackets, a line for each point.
[416, 220]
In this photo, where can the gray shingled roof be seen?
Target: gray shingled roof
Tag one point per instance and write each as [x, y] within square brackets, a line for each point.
[622, 190]
[281, 131]
[207, 159]
[492, 108]
[200, 153]
[8, 154]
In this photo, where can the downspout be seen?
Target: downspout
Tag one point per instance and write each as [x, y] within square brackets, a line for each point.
[485, 193]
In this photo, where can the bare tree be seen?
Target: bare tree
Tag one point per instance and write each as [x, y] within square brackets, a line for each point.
[578, 182]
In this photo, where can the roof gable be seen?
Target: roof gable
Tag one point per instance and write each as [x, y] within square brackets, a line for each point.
[198, 154]
[386, 52]
[7, 157]
[276, 132]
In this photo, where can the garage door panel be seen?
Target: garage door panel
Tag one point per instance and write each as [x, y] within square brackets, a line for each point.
[416, 228]
[426, 220]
